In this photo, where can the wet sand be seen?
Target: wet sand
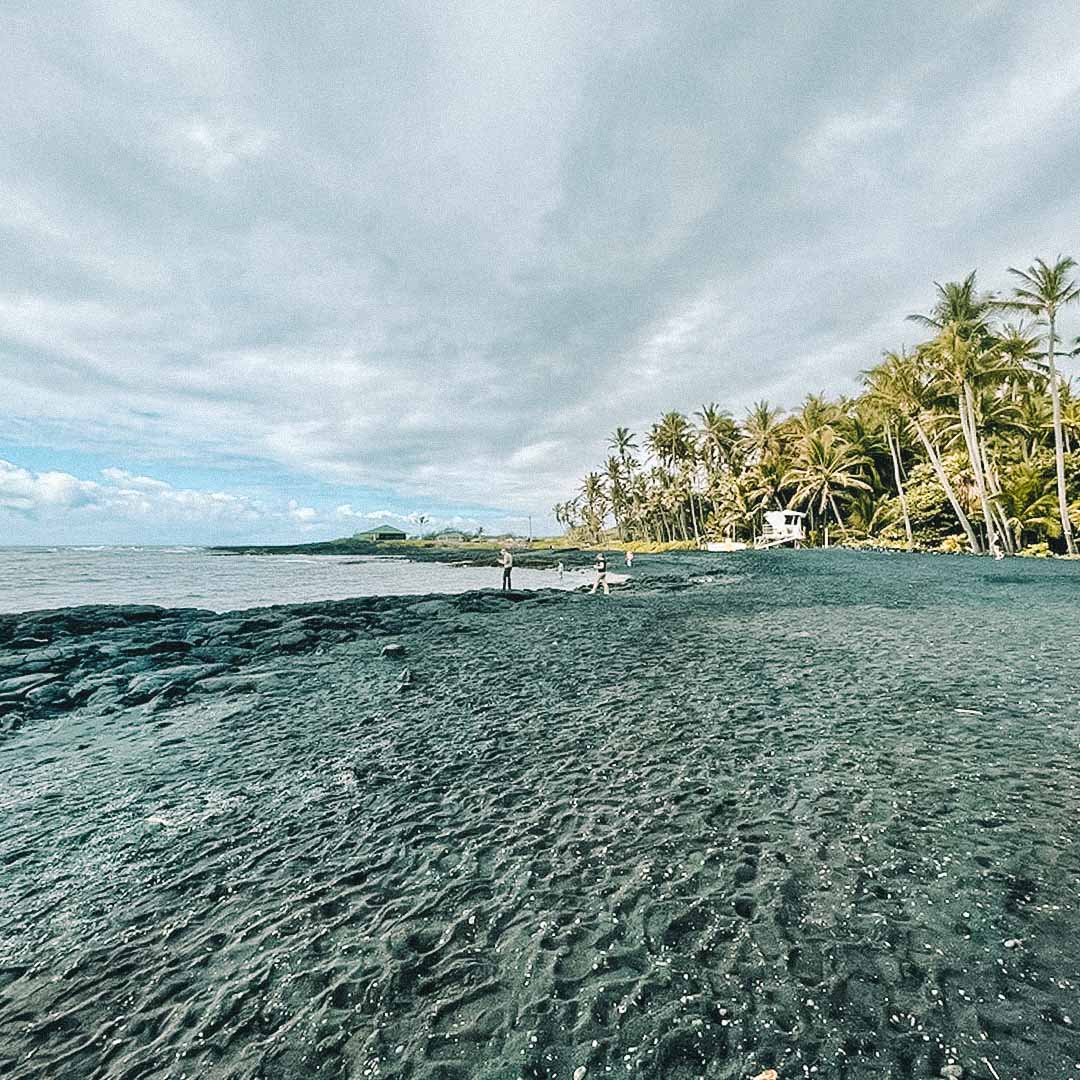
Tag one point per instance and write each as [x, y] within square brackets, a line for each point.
[801, 810]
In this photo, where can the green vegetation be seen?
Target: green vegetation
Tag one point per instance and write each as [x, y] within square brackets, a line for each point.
[970, 441]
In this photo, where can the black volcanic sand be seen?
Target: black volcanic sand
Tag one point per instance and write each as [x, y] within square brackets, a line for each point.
[806, 810]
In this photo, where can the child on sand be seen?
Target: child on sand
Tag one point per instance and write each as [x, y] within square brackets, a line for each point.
[601, 574]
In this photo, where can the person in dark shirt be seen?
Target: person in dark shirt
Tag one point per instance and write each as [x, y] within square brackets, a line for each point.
[600, 566]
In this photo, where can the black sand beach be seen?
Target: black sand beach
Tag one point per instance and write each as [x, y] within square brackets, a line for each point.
[813, 811]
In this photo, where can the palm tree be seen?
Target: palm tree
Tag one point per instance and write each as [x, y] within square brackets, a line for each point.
[961, 359]
[657, 501]
[881, 391]
[815, 414]
[592, 492]
[910, 389]
[616, 476]
[1029, 501]
[961, 303]
[961, 319]
[623, 442]
[717, 435]
[766, 482]
[670, 439]
[1044, 290]
[761, 430]
[825, 465]
[732, 504]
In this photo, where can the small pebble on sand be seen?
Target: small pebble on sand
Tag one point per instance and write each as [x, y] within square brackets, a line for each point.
[579, 1072]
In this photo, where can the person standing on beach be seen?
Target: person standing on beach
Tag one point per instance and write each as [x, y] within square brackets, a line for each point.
[629, 558]
[601, 574]
[507, 562]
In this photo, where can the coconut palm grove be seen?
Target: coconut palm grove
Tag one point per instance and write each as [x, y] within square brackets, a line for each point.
[968, 441]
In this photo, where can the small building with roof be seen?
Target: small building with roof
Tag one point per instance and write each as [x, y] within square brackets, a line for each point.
[383, 532]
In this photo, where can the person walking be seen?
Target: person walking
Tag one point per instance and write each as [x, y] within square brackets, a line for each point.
[600, 566]
[507, 562]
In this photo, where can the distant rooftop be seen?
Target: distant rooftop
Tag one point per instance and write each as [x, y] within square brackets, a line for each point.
[386, 531]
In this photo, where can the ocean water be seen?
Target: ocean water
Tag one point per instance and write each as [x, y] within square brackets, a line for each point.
[816, 811]
[34, 578]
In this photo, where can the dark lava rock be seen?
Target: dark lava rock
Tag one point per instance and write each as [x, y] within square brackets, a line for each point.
[294, 641]
[50, 696]
[168, 681]
[220, 654]
[168, 645]
[10, 718]
[82, 690]
[20, 685]
[432, 608]
[314, 622]
[237, 684]
[27, 642]
[258, 623]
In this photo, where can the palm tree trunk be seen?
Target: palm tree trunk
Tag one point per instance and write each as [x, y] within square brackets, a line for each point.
[946, 483]
[966, 402]
[694, 519]
[836, 514]
[894, 453]
[993, 485]
[1059, 442]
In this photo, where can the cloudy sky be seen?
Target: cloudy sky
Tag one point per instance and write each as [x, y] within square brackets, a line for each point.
[278, 271]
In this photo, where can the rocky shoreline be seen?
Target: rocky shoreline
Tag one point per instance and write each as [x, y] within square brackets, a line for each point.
[111, 657]
[108, 657]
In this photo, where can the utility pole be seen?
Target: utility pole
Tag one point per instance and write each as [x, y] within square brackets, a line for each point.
[530, 528]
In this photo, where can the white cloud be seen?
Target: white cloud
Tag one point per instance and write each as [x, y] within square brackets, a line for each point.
[121, 493]
[28, 492]
[57, 498]
[123, 478]
[306, 515]
[213, 145]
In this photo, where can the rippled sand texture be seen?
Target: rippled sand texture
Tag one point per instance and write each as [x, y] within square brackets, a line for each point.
[816, 811]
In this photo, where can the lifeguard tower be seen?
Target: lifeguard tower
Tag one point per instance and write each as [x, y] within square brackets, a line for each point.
[781, 527]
